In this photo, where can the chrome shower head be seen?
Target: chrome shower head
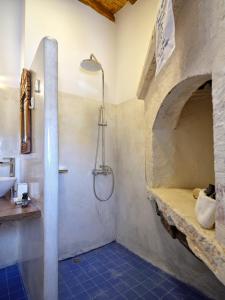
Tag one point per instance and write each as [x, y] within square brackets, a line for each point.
[91, 64]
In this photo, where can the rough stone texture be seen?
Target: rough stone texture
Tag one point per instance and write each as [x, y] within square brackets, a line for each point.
[199, 55]
[177, 206]
[185, 139]
[138, 227]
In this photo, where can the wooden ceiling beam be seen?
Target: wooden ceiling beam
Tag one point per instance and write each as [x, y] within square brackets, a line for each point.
[99, 8]
[132, 1]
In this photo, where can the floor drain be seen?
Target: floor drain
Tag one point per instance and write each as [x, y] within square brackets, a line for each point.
[76, 260]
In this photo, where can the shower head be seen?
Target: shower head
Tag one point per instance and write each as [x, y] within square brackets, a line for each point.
[91, 64]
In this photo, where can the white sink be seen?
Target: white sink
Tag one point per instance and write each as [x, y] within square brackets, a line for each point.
[5, 184]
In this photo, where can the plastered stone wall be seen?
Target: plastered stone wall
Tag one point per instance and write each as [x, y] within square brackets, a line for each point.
[190, 161]
[138, 227]
[199, 54]
[84, 222]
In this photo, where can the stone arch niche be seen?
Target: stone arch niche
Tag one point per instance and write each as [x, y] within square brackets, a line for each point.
[198, 58]
[182, 144]
[185, 135]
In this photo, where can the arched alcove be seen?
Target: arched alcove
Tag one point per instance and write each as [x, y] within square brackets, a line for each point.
[183, 136]
[182, 159]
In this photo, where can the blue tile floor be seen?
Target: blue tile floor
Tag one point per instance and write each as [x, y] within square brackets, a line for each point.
[11, 284]
[113, 272]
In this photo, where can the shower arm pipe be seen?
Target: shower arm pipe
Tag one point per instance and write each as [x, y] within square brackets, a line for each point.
[102, 111]
[92, 56]
[103, 97]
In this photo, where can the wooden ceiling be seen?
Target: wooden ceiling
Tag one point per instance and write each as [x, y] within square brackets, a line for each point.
[107, 8]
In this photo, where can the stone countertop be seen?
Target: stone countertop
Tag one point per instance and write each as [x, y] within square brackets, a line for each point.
[177, 206]
[10, 212]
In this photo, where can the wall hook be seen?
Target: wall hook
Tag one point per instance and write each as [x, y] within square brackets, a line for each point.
[32, 103]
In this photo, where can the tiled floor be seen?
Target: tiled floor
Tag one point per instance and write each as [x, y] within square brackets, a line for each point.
[113, 272]
[11, 285]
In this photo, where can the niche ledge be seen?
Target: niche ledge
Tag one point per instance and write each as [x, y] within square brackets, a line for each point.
[177, 207]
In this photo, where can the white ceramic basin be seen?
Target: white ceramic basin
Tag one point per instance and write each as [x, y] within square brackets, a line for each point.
[5, 184]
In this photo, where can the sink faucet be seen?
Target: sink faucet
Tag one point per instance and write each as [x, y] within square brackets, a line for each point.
[11, 163]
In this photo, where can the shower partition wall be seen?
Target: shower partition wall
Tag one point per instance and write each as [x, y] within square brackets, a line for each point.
[39, 238]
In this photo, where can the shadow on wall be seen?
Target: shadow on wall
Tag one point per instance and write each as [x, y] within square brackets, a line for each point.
[183, 136]
[138, 227]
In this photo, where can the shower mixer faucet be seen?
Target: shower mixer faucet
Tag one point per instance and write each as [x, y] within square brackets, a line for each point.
[103, 170]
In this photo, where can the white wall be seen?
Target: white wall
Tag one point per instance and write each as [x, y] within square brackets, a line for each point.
[39, 237]
[9, 146]
[9, 122]
[11, 35]
[121, 46]
[11, 30]
[134, 26]
[79, 31]
[32, 172]
[84, 222]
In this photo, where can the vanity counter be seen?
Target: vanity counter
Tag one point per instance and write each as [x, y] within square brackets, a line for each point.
[177, 207]
[11, 212]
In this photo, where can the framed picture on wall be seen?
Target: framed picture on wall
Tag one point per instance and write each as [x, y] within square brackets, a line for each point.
[25, 112]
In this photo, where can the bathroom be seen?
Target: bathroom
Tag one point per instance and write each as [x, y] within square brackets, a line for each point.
[67, 243]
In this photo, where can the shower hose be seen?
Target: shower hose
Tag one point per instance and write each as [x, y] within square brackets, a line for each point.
[103, 168]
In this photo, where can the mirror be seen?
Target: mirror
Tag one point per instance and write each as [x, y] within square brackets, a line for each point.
[25, 112]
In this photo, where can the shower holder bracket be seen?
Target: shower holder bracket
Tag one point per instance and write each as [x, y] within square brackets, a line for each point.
[102, 124]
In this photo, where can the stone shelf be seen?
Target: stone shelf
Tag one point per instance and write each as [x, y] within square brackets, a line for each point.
[177, 206]
[10, 212]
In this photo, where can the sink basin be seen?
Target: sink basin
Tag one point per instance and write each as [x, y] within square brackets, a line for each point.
[5, 184]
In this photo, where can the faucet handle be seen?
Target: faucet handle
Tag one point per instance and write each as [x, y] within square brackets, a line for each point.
[9, 158]
[11, 162]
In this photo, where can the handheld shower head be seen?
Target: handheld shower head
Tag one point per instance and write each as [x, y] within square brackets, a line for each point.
[91, 64]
